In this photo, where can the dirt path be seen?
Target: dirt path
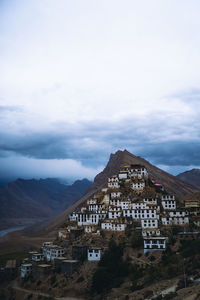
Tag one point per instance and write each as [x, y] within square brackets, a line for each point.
[38, 293]
[16, 287]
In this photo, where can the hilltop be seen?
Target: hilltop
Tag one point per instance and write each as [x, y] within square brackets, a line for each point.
[171, 183]
[130, 240]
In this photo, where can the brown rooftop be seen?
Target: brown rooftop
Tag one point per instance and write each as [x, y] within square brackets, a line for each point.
[44, 266]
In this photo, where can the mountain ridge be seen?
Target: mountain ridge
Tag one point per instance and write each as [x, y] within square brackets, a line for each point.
[191, 176]
[43, 198]
[171, 183]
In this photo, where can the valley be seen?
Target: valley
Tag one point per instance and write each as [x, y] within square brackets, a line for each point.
[126, 238]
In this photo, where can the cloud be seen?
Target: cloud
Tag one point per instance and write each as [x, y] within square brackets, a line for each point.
[91, 142]
[4, 108]
[18, 166]
[101, 77]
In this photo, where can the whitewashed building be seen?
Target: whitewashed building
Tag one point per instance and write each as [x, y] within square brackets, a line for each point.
[53, 251]
[175, 220]
[167, 197]
[73, 217]
[149, 223]
[136, 170]
[150, 201]
[47, 244]
[123, 174]
[113, 182]
[25, 270]
[91, 201]
[116, 194]
[168, 202]
[94, 254]
[113, 225]
[127, 213]
[116, 202]
[139, 205]
[90, 218]
[37, 257]
[152, 244]
[125, 205]
[138, 185]
[114, 213]
[95, 207]
[178, 213]
[92, 229]
[141, 213]
[150, 232]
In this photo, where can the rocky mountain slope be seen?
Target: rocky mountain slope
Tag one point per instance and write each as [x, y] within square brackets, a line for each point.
[171, 183]
[42, 198]
[191, 176]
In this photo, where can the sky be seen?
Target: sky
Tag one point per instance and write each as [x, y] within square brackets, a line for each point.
[82, 79]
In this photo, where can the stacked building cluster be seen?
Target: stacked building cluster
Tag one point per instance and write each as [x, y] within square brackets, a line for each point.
[121, 204]
[125, 203]
[54, 258]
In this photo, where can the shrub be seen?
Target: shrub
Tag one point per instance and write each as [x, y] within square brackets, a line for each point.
[170, 296]
[152, 258]
[137, 240]
[39, 282]
[136, 272]
[111, 269]
[53, 280]
[80, 279]
[190, 248]
[29, 296]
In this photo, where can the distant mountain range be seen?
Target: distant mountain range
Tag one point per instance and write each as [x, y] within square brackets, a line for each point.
[44, 198]
[191, 176]
[171, 183]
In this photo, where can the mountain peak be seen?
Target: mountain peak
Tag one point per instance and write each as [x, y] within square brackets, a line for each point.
[122, 157]
[171, 183]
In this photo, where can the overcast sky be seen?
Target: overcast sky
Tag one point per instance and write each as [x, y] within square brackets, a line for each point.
[81, 79]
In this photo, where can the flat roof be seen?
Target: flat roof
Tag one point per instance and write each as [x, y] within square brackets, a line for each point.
[95, 248]
[44, 266]
[54, 247]
[188, 232]
[155, 238]
[26, 265]
[70, 260]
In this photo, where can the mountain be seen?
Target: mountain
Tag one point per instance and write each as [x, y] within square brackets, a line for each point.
[42, 198]
[171, 183]
[191, 176]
